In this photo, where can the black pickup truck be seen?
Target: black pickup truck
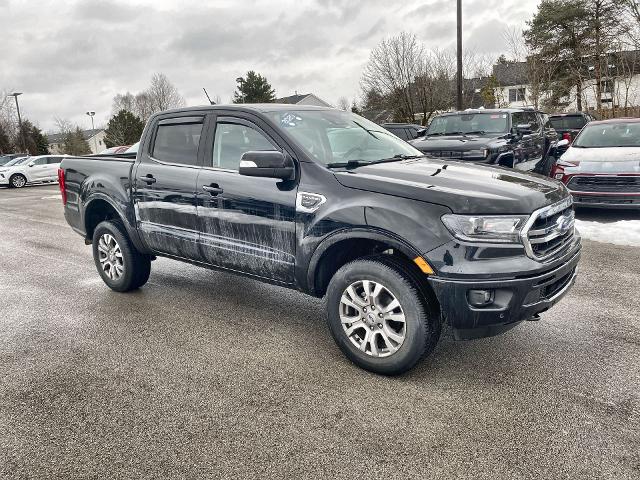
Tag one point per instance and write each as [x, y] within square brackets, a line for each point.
[328, 203]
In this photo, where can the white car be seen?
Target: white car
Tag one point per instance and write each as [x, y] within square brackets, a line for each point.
[42, 168]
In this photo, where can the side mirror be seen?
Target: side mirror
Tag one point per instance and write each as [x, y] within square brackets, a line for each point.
[421, 132]
[562, 143]
[524, 129]
[30, 165]
[270, 164]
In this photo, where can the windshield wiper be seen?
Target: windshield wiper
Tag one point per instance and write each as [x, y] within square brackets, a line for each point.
[475, 132]
[362, 163]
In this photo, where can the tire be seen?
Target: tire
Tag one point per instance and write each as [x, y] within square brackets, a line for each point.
[379, 351]
[17, 181]
[121, 266]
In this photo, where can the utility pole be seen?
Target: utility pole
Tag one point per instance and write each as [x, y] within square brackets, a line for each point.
[459, 105]
[15, 95]
[95, 141]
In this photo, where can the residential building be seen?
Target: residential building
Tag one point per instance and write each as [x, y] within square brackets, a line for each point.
[304, 99]
[620, 84]
[94, 137]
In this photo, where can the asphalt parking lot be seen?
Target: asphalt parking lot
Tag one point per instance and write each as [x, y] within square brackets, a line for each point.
[207, 375]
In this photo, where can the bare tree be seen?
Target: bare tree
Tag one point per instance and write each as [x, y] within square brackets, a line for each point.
[434, 83]
[517, 49]
[392, 68]
[126, 101]
[343, 103]
[163, 94]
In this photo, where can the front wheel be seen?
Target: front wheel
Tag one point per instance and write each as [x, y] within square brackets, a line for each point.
[378, 317]
[18, 181]
[119, 264]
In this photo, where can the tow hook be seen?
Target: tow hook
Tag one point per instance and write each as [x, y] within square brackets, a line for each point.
[535, 318]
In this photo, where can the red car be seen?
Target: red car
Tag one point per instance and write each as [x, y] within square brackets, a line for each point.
[601, 168]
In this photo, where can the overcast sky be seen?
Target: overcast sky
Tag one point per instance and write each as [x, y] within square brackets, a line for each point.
[69, 57]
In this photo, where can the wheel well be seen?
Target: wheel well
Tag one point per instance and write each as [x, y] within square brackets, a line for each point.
[96, 212]
[346, 251]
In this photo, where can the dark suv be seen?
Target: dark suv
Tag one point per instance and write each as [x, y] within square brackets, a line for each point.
[519, 138]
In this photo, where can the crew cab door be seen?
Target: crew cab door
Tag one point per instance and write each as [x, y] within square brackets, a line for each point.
[246, 223]
[165, 186]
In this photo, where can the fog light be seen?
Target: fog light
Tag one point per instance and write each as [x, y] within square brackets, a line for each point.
[480, 298]
[559, 176]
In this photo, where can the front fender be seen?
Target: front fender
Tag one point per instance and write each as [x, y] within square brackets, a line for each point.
[365, 233]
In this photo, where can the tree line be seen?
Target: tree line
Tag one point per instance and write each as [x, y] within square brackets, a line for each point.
[567, 44]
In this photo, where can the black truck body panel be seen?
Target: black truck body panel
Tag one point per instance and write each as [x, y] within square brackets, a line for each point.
[217, 218]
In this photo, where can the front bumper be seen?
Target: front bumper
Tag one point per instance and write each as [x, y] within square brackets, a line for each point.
[515, 300]
[606, 200]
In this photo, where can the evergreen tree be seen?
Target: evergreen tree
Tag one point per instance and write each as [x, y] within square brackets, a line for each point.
[31, 139]
[254, 88]
[123, 129]
[75, 144]
[5, 141]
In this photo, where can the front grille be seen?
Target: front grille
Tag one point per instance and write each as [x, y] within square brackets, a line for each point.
[605, 183]
[445, 153]
[549, 230]
[613, 200]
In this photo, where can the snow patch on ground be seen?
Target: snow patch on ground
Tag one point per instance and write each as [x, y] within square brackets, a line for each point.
[622, 232]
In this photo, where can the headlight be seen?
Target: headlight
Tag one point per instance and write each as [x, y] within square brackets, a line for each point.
[488, 229]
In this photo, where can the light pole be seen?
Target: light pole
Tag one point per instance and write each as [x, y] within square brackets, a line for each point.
[459, 55]
[95, 142]
[15, 95]
[240, 80]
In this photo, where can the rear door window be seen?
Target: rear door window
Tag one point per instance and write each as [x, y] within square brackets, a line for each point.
[177, 143]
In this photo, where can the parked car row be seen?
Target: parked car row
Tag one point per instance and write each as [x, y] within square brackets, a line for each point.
[599, 161]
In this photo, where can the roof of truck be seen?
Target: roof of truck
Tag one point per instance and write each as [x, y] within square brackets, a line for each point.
[256, 107]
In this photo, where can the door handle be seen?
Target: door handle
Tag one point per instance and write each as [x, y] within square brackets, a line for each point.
[214, 189]
[148, 179]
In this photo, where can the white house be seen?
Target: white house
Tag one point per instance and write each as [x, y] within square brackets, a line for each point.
[620, 84]
[94, 137]
[304, 99]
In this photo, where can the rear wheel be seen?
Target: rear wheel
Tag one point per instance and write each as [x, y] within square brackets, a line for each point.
[18, 181]
[119, 264]
[378, 316]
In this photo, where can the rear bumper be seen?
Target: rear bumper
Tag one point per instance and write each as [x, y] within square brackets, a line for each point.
[515, 300]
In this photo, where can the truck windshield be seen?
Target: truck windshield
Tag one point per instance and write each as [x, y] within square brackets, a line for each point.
[469, 123]
[609, 135]
[335, 137]
[568, 122]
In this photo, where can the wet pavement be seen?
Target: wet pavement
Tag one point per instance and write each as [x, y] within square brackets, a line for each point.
[203, 374]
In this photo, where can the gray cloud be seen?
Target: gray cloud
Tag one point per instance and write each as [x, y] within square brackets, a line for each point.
[70, 57]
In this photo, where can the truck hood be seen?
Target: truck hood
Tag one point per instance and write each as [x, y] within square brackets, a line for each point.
[463, 187]
[458, 143]
[601, 160]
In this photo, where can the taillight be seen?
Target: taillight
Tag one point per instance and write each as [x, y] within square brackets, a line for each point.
[567, 136]
[63, 190]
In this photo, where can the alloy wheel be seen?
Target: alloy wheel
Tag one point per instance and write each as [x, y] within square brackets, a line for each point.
[372, 318]
[110, 257]
[18, 181]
